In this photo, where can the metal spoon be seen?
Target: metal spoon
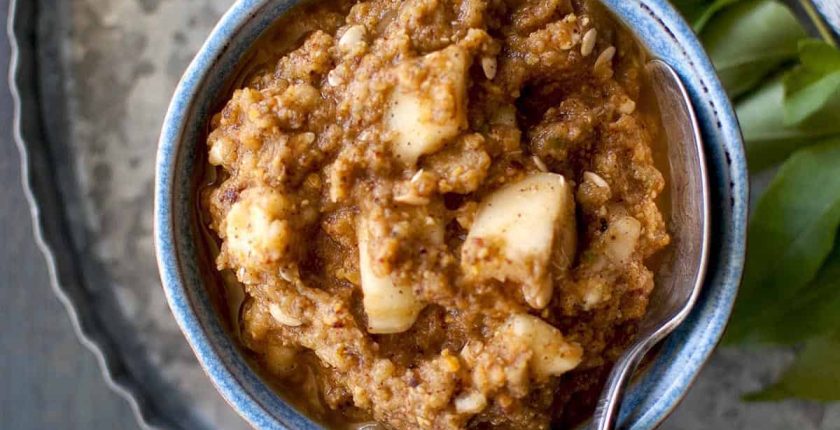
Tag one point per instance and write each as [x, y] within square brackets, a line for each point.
[678, 286]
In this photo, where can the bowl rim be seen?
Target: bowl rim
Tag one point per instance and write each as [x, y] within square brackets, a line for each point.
[725, 276]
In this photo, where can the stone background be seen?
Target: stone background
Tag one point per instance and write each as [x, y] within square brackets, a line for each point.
[121, 61]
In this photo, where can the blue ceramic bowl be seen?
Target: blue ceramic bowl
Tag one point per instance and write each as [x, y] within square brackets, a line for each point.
[654, 395]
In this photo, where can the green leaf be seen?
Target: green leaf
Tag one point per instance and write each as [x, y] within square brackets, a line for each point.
[815, 375]
[692, 10]
[814, 313]
[698, 12]
[819, 56]
[750, 40]
[767, 139]
[813, 87]
[791, 234]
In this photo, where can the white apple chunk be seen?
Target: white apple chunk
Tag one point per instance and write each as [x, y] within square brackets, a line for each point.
[520, 232]
[390, 308]
[622, 237]
[428, 105]
[552, 354]
[257, 231]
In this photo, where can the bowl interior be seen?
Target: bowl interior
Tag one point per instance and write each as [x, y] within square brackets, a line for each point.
[679, 359]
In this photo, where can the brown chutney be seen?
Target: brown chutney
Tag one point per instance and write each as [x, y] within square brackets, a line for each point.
[441, 211]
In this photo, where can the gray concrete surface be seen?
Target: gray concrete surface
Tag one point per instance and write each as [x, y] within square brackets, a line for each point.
[50, 381]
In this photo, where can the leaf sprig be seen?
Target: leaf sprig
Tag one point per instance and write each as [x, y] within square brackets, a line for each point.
[786, 90]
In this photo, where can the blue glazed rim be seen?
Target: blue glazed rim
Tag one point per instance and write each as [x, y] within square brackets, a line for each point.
[682, 355]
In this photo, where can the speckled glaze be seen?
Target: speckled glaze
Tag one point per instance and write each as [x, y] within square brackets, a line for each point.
[653, 396]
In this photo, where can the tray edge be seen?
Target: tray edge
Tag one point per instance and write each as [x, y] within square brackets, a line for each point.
[118, 381]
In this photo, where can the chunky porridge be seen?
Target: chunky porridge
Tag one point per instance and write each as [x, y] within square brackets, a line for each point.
[441, 211]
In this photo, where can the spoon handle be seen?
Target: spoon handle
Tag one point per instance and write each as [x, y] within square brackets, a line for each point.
[609, 406]
[677, 289]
